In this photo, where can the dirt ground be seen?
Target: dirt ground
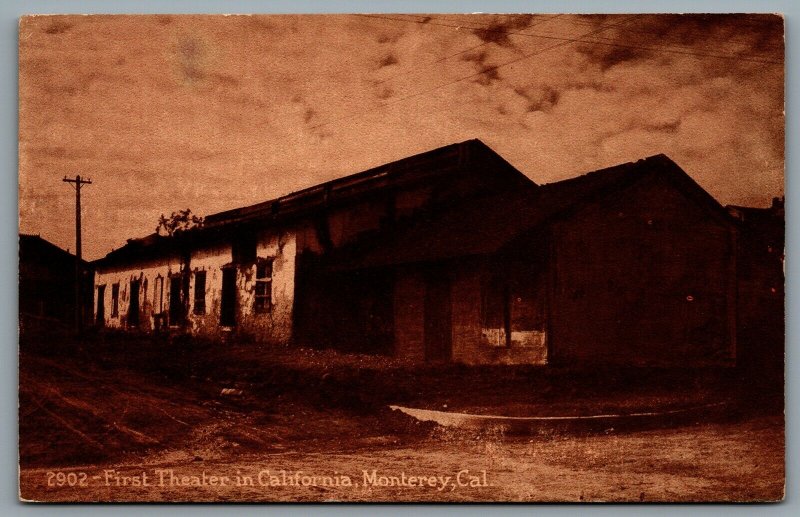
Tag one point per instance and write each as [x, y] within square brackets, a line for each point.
[98, 430]
[730, 462]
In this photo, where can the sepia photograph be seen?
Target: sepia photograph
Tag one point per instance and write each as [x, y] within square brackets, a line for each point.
[401, 258]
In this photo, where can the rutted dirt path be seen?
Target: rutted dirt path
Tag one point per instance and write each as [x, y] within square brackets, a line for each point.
[93, 431]
[708, 462]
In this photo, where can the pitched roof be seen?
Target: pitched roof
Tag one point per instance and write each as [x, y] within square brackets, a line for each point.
[144, 248]
[444, 161]
[438, 162]
[484, 227]
[34, 247]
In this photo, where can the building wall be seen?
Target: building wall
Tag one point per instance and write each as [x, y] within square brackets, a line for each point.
[211, 260]
[345, 224]
[341, 225]
[760, 301]
[468, 344]
[275, 325]
[646, 278]
[347, 312]
[47, 286]
[146, 273]
[478, 337]
[471, 341]
[409, 315]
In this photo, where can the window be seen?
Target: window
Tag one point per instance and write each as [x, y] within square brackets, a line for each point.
[263, 302]
[177, 297]
[227, 306]
[115, 300]
[200, 292]
[133, 304]
[513, 310]
[101, 304]
[495, 312]
[158, 295]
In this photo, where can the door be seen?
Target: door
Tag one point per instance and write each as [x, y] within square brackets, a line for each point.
[438, 333]
[101, 305]
[175, 301]
[133, 307]
[228, 303]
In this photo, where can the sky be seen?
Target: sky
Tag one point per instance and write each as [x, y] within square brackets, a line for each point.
[216, 112]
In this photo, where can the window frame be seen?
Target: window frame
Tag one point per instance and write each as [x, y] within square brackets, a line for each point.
[262, 303]
[158, 295]
[115, 300]
[100, 306]
[199, 308]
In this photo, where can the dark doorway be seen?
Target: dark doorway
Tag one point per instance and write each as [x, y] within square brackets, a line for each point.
[175, 301]
[101, 305]
[358, 312]
[377, 306]
[133, 307]
[438, 334]
[228, 304]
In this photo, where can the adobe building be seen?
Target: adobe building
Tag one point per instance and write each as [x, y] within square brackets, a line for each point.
[453, 255]
[47, 286]
[761, 294]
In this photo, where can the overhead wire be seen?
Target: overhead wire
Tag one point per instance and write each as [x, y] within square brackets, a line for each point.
[564, 38]
[574, 20]
[445, 58]
[485, 70]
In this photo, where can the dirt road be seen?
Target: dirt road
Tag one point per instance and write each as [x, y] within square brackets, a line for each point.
[719, 462]
[183, 428]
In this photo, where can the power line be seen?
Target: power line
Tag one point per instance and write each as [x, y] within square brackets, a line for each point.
[445, 58]
[486, 28]
[572, 21]
[575, 21]
[563, 38]
[709, 47]
[629, 30]
[484, 71]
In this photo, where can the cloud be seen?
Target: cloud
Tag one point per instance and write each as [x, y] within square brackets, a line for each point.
[539, 99]
[386, 37]
[55, 152]
[213, 113]
[58, 27]
[388, 60]
[498, 28]
[385, 93]
[607, 56]
[190, 54]
[488, 73]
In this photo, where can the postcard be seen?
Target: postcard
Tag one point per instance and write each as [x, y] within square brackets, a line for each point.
[401, 258]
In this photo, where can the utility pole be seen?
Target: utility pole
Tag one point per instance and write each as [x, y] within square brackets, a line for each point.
[77, 183]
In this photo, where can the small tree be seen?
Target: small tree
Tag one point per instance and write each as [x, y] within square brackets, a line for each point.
[178, 221]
